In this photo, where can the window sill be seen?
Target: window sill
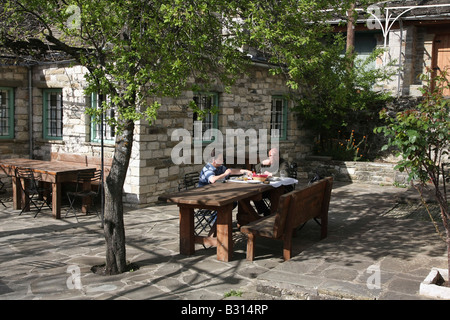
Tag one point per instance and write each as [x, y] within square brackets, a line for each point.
[98, 144]
[53, 141]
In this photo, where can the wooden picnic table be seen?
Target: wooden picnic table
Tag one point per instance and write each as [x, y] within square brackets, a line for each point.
[219, 197]
[54, 172]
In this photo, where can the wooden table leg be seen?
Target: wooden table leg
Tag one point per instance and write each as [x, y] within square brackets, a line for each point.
[17, 193]
[274, 197]
[225, 233]
[246, 213]
[22, 202]
[56, 200]
[187, 241]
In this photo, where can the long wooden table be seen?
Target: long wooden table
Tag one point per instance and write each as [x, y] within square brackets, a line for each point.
[54, 172]
[220, 197]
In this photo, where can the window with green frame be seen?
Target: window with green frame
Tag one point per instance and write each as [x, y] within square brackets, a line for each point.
[53, 114]
[6, 113]
[207, 102]
[109, 131]
[278, 121]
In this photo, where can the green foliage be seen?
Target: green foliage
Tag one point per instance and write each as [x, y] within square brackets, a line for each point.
[135, 51]
[233, 293]
[202, 113]
[421, 135]
[327, 86]
[337, 86]
[343, 148]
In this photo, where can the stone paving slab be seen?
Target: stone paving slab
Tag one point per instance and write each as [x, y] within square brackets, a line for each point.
[44, 258]
[401, 251]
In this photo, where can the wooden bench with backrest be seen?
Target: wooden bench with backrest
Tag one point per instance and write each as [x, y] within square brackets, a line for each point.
[80, 159]
[294, 209]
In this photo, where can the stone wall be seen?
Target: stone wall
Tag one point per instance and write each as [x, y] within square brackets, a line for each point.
[76, 131]
[411, 48]
[351, 171]
[247, 106]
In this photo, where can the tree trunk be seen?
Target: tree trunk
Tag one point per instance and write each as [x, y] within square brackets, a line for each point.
[350, 31]
[351, 28]
[113, 219]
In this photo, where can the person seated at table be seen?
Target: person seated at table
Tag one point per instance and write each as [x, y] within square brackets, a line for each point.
[215, 170]
[273, 165]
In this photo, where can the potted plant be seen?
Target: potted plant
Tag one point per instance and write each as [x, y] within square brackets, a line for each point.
[421, 137]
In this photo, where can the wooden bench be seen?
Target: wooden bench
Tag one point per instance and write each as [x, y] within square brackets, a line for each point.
[80, 159]
[294, 209]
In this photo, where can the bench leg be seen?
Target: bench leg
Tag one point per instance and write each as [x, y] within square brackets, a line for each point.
[250, 246]
[287, 245]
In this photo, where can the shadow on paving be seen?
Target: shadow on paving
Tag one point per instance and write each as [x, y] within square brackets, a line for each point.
[36, 253]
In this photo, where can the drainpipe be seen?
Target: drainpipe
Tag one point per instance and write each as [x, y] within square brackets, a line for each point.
[30, 109]
[400, 68]
[102, 156]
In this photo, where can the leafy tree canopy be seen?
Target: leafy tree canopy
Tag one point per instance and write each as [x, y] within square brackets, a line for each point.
[301, 43]
[133, 49]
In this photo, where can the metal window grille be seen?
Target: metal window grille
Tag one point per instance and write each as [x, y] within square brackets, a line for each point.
[54, 114]
[277, 119]
[109, 131]
[4, 113]
[205, 102]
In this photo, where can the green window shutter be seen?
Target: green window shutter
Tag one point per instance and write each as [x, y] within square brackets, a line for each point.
[279, 116]
[52, 123]
[205, 101]
[108, 130]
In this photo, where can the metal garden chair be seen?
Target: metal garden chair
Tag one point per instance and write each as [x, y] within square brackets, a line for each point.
[35, 192]
[2, 192]
[205, 220]
[79, 193]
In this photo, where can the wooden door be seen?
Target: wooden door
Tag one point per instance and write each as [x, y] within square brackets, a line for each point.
[441, 54]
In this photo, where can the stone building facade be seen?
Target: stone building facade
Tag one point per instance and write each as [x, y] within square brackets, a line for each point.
[416, 36]
[151, 171]
[412, 48]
